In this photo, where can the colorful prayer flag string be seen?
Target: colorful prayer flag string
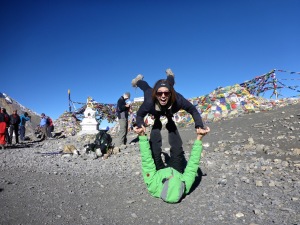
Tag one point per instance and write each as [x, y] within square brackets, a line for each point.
[287, 71]
[269, 82]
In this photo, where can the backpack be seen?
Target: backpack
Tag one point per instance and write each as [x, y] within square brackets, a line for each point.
[103, 141]
[48, 121]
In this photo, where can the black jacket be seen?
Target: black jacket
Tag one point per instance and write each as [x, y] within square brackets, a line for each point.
[122, 110]
[14, 119]
[180, 103]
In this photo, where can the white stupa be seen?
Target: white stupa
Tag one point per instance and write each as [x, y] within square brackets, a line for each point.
[89, 124]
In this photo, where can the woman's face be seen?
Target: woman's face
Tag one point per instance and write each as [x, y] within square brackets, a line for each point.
[163, 95]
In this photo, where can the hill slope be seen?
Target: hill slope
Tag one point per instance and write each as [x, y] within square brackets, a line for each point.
[10, 104]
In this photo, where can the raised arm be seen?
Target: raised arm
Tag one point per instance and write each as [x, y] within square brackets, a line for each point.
[148, 165]
[191, 169]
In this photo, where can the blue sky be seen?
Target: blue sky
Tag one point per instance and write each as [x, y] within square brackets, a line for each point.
[95, 48]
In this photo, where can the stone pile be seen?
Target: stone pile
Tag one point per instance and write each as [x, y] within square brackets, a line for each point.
[229, 102]
[67, 124]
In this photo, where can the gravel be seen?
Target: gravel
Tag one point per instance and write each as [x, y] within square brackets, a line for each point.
[249, 174]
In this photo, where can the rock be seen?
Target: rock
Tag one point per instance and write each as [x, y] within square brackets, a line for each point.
[239, 215]
[116, 150]
[296, 151]
[258, 183]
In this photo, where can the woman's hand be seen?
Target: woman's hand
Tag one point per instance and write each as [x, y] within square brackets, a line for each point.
[202, 132]
[140, 131]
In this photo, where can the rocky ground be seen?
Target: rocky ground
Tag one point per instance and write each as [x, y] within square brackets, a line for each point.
[250, 175]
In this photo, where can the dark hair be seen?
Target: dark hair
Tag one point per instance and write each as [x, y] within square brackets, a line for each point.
[168, 85]
[25, 114]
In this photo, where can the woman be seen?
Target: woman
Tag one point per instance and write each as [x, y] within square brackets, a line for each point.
[163, 100]
[2, 129]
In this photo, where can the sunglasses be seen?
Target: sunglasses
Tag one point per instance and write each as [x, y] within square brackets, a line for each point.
[166, 93]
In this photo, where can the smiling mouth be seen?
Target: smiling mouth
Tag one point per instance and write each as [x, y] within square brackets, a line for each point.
[163, 101]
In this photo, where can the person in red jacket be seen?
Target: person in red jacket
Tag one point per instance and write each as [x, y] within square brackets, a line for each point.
[2, 129]
[7, 120]
[50, 127]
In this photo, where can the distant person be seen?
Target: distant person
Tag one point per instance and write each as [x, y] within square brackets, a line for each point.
[2, 129]
[23, 119]
[43, 126]
[50, 127]
[131, 125]
[170, 184]
[14, 126]
[123, 111]
[163, 100]
[7, 119]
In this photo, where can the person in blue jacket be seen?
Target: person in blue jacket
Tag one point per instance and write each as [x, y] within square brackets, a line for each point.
[163, 100]
[23, 119]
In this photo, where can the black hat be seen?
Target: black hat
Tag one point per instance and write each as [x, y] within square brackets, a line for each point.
[162, 83]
